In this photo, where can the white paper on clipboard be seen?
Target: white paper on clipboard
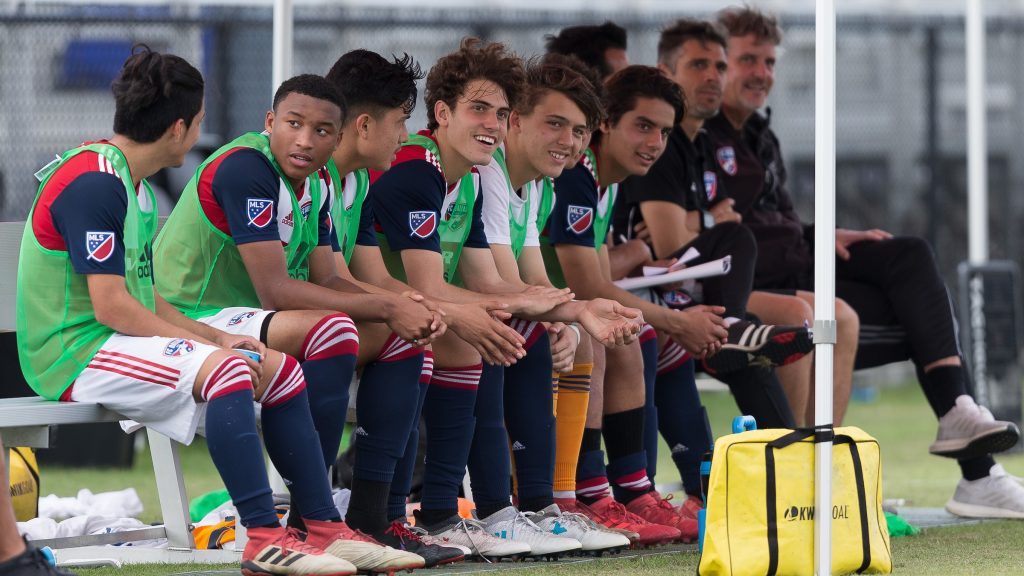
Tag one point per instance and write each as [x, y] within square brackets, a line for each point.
[706, 270]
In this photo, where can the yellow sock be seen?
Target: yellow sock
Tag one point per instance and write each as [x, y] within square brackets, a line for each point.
[570, 417]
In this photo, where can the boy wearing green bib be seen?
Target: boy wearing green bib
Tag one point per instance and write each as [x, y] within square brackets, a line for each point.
[92, 328]
[252, 228]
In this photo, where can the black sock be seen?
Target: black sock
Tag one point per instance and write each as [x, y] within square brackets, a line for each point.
[976, 468]
[623, 433]
[432, 518]
[942, 386]
[367, 510]
[535, 504]
[591, 440]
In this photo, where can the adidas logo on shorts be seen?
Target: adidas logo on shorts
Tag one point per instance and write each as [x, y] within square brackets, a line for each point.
[517, 445]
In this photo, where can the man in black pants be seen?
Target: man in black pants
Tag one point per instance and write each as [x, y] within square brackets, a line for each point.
[892, 282]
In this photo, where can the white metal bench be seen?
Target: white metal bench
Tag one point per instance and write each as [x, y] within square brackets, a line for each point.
[26, 422]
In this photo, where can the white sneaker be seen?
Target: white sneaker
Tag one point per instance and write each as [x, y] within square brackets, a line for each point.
[594, 538]
[511, 524]
[969, 430]
[998, 495]
[477, 540]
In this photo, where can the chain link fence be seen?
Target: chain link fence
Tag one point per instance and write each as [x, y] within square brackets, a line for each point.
[901, 123]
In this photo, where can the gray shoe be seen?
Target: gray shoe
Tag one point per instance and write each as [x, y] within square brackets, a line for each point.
[969, 430]
[998, 495]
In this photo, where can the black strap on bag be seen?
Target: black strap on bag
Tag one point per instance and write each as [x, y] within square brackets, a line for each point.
[770, 487]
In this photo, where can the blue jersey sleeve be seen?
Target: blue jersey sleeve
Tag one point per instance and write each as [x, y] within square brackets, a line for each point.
[89, 215]
[572, 219]
[246, 187]
[477, 233]
[406, 203]
[366, 236]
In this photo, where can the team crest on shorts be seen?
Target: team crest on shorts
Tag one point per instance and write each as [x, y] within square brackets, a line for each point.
[580, 218]
[241, 317]
[422, 223]
[179, 347]
[727, 159]
[710, 185]
[100, 245]
[260, 211]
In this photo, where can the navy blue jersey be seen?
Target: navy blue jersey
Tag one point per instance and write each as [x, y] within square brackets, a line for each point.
[229, 184]
[572, 220]
[409, 199]
[93, 206]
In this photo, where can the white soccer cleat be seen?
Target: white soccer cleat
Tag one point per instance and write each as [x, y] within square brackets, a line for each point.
[511, 524]
[998, 495]
[593, 537]
[475, 537]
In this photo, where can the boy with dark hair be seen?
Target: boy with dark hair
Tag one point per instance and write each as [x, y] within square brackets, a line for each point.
[253, 218]
[600, 47]
[92, 327]
[380, 95]
[891, 282]
[428, 213]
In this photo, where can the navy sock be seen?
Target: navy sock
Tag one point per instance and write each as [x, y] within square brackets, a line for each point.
[488, 463]
[401, 484]
[448, 413]
[294, 449]
[330, 360]
[683, 423]
[386, 406]
[649, 351]
[628, 475]
[235, 450]
[591, 477]
[529, 417]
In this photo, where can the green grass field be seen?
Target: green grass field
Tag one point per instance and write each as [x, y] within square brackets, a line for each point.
[899, 418]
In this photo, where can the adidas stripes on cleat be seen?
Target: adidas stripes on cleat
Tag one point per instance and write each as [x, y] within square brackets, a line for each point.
[762, 345]
[279, 551]
[653, 508]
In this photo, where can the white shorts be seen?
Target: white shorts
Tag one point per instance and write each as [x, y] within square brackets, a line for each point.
[147, 379]
[241, 321]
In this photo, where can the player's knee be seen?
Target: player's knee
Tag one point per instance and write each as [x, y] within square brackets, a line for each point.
[286, 383]
[229, 374]
[334, 335]
[847, 319]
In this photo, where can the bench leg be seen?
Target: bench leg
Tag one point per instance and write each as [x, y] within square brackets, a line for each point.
[170, 486]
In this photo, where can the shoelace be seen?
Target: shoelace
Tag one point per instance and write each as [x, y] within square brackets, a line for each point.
[468, 526]
[619, 514]
[400, 531]
[585, 524]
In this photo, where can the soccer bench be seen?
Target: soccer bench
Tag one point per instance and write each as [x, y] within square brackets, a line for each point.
[26, 422]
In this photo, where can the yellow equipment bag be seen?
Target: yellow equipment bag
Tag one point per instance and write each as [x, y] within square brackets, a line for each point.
[760, 505]
[24, 472]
